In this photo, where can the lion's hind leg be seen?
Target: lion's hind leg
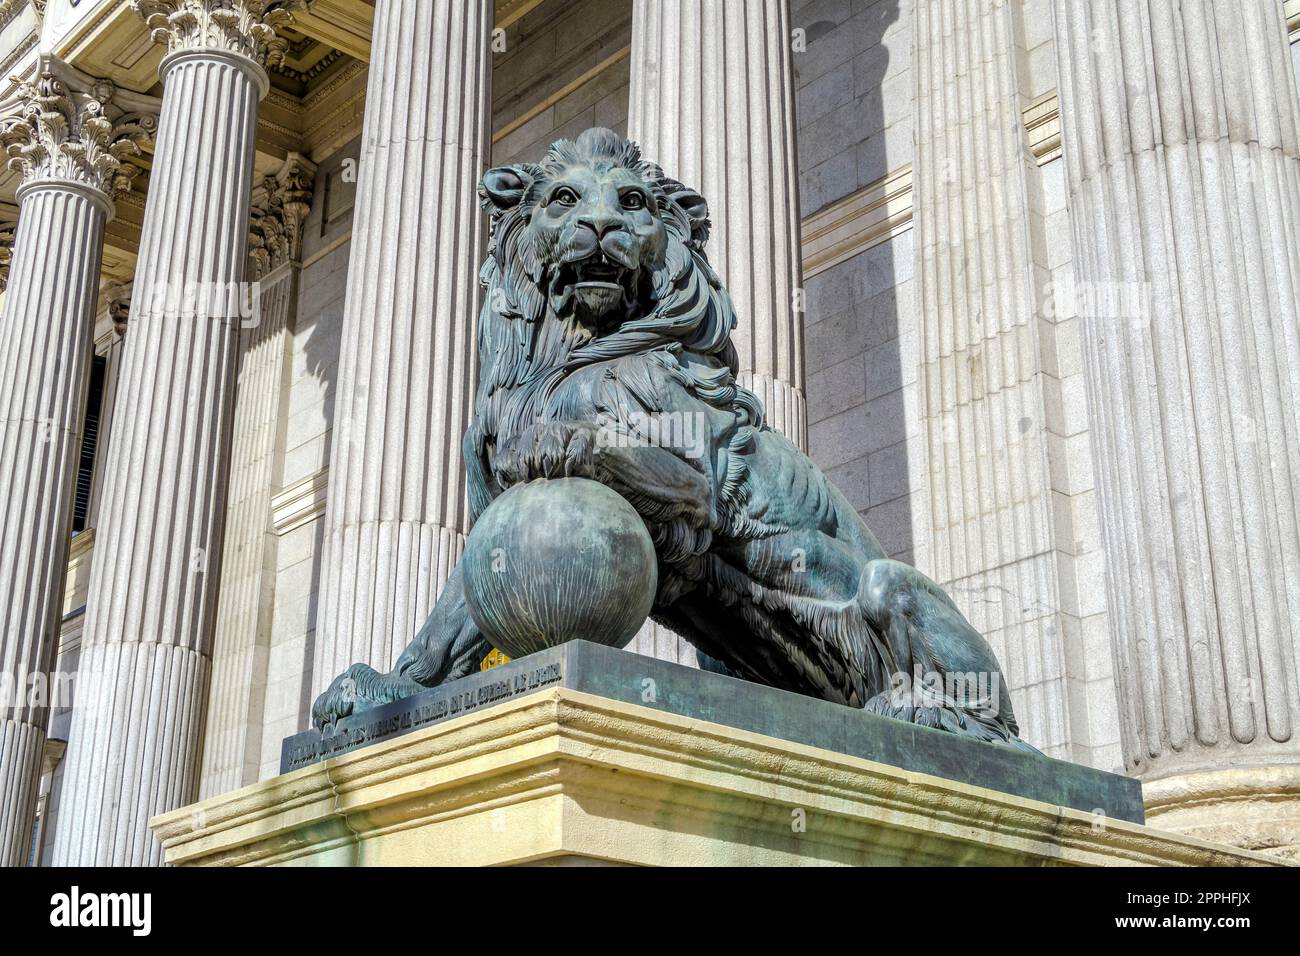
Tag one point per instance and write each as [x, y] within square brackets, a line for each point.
[947, 675]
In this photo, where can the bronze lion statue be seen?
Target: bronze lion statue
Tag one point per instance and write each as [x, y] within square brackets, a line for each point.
[602, 312]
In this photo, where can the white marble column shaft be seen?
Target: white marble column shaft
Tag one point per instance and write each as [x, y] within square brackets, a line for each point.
[396, 516]
[232, 751]
[712, 102]
[49, 313]
[992, 542]
[138, 720]
[1180, 128]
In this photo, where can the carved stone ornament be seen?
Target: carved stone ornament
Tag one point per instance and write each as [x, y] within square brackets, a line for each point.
[8, 231]
[246, 27]
[119, 305]
[79, 135]
[280, 206]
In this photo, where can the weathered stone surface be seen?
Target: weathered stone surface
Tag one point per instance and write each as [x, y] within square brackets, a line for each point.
[1181, 137]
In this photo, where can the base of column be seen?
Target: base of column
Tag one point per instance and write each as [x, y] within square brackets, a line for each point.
[1255, 808]
[133, 750]
[21, 748]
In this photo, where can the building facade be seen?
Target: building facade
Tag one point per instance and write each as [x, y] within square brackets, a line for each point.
[1022, 276]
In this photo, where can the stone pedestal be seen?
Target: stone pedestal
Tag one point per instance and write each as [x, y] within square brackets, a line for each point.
[546, 761]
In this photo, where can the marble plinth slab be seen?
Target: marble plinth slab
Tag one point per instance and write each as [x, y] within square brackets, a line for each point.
[566, 776]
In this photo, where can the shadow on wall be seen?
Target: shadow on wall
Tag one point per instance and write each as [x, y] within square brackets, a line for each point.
[317, 330]
[853, 101]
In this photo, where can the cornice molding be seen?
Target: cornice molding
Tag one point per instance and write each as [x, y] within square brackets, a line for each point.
[857, 222]
[300, 503]
[9, 9]
[883, 209]
[16, 56]
[1042, 120]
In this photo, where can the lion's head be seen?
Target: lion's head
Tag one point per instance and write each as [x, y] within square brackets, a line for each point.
[595, 234]
[594, 254]
[592, 226]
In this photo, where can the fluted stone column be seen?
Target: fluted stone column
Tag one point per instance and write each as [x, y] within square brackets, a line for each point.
[712, 102]
[396, 516]
[984, 358]
[232, 753]
[145, 658]
[70, 144]
[1180, 132]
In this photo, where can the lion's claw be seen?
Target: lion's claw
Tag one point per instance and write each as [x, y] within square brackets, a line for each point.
[359, 688]
[547, 450]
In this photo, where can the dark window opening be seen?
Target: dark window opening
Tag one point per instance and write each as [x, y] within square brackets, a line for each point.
[89, 442]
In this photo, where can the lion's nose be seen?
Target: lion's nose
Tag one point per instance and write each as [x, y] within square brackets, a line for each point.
[600, 223]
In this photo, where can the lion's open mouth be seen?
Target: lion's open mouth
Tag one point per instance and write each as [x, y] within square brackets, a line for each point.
[595, 286]
[599, 270]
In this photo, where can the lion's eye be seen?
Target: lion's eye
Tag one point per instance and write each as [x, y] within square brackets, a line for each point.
[565, 197]
[633, 201]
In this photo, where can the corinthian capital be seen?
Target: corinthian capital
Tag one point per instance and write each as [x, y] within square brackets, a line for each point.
[247, 27]
[280, 206]
[73, 128]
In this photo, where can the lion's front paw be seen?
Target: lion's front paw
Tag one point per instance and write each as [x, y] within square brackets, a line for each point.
[547, 450]
[358, 688]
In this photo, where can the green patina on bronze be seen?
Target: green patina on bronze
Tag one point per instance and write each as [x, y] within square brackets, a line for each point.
[557, 560]
[606, 354]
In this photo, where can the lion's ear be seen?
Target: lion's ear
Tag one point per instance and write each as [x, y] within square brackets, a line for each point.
[505, 186]
[692, 205]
